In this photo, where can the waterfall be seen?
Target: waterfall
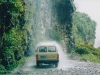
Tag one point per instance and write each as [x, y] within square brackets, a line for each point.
[42, 20]
[45, 20]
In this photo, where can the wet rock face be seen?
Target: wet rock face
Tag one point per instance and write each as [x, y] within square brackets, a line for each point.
[62, 18]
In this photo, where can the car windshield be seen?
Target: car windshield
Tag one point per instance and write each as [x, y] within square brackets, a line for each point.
[42, 49]
[51, 49]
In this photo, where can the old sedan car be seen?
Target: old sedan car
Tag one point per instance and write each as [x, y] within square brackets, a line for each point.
[47, 54]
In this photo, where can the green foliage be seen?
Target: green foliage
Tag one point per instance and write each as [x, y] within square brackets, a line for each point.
[98, 48]
[2, 67]
[11, 12]
[13, 40]
[15, 64]
[81, 50]
[91, 58]
[12, 35]
[93, 50]
[88, 52]
[84, 32]
[83, 28]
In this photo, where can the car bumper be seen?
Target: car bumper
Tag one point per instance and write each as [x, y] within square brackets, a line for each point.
[47, 61]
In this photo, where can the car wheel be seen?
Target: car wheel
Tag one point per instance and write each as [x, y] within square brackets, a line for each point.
[56, 64]
[37, 64]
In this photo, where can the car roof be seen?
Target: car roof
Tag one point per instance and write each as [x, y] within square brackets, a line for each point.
[46, 44]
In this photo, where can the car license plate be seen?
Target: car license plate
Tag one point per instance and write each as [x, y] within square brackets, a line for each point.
[42, 56]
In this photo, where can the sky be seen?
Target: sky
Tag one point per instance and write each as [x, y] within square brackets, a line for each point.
[92, 8]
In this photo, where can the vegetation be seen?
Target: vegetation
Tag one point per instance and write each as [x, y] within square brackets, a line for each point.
[84, 33]
[12, 35]
[83, 28]
[88, 52]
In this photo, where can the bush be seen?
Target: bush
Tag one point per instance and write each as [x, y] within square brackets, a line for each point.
[2, 69]
[88, 52]
[81, 50]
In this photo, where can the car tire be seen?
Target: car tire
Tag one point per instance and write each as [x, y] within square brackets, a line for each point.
[56, 64]
[37, 64]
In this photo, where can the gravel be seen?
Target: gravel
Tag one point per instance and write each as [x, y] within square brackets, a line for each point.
[79, 68]
[65, 67]
[70, 71]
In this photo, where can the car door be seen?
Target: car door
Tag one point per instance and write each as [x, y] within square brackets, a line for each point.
[42, 53]
[52, 53]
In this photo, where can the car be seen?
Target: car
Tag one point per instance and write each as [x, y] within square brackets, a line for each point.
[47, 54]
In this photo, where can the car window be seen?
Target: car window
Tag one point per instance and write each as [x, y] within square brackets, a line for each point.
[51, 49]
[43, 49]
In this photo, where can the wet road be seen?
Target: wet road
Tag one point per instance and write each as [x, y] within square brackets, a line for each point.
[65, 67]
[64, 62]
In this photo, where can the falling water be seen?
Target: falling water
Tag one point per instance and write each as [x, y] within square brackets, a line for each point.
[42, 18]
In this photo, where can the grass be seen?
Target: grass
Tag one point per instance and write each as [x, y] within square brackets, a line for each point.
[87, 52]
[90, 57]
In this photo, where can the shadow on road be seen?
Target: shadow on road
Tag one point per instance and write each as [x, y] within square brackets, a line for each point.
[44, 66]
